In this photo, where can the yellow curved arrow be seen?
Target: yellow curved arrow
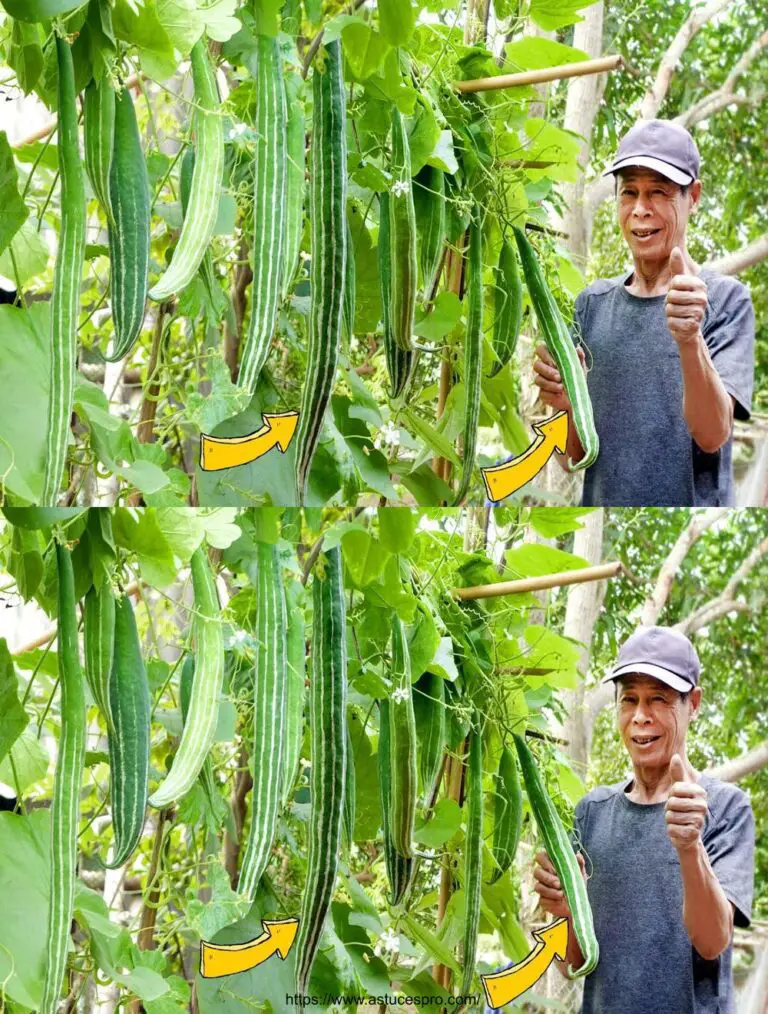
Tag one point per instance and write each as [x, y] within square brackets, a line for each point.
[502, 987]
[226, 452]
[501, 480]
[227, 959]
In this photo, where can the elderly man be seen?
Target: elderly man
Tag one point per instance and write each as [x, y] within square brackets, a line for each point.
[670, 851]
[669, 345]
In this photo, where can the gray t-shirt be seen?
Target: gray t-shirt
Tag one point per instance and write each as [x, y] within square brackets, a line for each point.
[647, 456]
[647, 963]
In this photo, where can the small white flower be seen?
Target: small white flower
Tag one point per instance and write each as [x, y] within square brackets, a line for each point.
[388, 941]
[237, 130]
[400, 187]
[401, 694]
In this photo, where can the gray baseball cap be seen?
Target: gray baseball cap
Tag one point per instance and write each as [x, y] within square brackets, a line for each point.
[661, 145]
[661, 652]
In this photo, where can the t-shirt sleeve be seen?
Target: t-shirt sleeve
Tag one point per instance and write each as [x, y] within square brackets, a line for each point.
[577, 324]
[731, 851]
[729, 333]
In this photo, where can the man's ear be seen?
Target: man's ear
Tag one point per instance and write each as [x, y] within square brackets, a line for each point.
[695, 192]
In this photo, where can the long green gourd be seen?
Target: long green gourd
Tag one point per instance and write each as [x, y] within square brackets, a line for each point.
[296, 140]
[400, 869]
[348, 312]
[99, 643]
[403, 237]
[429, 712]
[129, 236]
[206, 270]
[128, 738]
[269, 700]
[508, 307]
[206, 778]
[562, 350]
[561, 853]
[473, 850]
[200, 728]
[294, 694]
[65, 299]
[98, 138]
[508, 814]
[328, 744]
[402, 736]
[350, 793]
[200, 220]
[400, 362]
[473, 352]
[70, 761]
[429, 205]
[269, 209]
[328, 206]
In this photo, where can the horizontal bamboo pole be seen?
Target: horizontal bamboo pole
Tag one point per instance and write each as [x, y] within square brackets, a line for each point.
[528, 584]
[527, 77]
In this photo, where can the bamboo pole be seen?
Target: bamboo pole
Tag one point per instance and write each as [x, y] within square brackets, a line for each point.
[527, 584]
[565, 70]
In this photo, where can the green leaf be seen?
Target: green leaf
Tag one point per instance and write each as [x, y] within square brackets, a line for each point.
[145, 476]
[364, 49]
[223, 907]
[434, 947]
[551, 651]
[426, 487]
[531, 560]
[181, 22]
[26, 564]
[13, 718]
[25, 56]
[15, 210]
[39, 10]
[444, 663]
[442, 319]
[444, 155]
[29, 252]
[397, 528]
[553, 521]
[219, 17]
[553, 14]
[30, 762]
[397, 19]
[534, 53]
[370, 463]
[364, 557]
[441, 826]
[423, 641]
[25, 369]
[145, 31]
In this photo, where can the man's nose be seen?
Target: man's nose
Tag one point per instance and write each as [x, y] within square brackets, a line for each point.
[641, 206]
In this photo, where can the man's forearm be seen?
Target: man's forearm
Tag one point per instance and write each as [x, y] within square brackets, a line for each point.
[707, 913]
[707, 406]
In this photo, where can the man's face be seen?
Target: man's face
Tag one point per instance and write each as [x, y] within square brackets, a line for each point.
[652, 718]
[653, 212]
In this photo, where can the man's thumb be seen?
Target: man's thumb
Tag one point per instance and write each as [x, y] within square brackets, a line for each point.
[676, 769]
[676, 262]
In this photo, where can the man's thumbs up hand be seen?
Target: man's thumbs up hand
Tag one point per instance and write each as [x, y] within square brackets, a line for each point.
[685, 809]
[686, 302]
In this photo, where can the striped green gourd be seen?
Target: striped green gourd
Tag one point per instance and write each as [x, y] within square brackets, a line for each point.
[328, 744]
[348, 312]
[508, 307]
[560, 852]
[269, 700]
[507, 814]
[473, 850]
[199, 730]
[294, 694]
[200, 220]
[99, 643]
[429, 712]
[328, 217]
[70, 761]
[403, 237]
[129, 236]
[402, 737]
[400, 362]
[296, 141]
[65, 299]
[429, 205]
[473, 351]
[562, 350]
[206, 778]
[98, 138]
[131, 711]
[400, 870]
[348, 824]
[269, 209]
[206, 270]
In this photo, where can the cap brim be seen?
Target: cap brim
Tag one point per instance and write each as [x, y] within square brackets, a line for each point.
[648, 162]
[648, 669]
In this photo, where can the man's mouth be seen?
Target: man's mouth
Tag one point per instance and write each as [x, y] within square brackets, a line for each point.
[644, 740]
[644, 233]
